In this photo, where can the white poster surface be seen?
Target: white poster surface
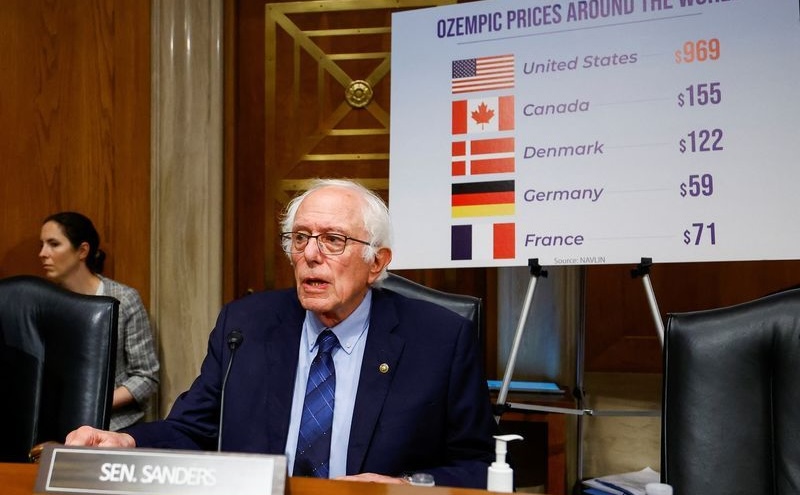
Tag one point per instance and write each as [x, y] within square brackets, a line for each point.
[594, 132]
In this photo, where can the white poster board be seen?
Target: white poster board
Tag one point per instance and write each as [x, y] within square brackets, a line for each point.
[592, 132]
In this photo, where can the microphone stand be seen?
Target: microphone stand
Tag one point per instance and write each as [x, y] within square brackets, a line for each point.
[235, 339]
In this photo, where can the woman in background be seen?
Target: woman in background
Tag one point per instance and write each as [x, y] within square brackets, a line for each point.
[71, 258]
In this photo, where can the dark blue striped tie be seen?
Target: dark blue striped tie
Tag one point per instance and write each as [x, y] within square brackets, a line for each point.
[314, 440]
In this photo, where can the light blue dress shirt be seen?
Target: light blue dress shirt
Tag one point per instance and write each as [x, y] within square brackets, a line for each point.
[352, 335]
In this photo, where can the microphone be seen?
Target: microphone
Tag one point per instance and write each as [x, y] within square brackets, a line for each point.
[235, 339]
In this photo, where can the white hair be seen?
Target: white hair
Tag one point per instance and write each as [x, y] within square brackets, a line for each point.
[375, 216]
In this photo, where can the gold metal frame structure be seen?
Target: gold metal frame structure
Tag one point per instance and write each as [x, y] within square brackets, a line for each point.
[356, 89]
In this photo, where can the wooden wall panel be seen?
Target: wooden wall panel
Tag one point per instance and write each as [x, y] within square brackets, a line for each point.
[244, 263]
[620, 331]
[75, 128]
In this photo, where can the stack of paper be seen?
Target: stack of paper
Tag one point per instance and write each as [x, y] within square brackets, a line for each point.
[632, 483]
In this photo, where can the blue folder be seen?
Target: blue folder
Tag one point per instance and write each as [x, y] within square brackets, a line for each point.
[526, 386]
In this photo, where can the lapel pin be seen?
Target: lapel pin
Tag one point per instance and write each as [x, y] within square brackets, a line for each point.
[383, 368]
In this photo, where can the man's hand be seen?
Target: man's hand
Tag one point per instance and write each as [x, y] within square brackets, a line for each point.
[92, 437]
[373, 478]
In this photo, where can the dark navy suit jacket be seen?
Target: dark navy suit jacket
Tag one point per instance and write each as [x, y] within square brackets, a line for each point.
[429, 413]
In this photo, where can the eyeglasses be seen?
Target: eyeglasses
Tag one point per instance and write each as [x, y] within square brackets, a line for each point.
[327, 242]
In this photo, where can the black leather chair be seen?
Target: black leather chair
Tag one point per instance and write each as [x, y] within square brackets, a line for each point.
[57, 358]
[731, 399]
[467, 306]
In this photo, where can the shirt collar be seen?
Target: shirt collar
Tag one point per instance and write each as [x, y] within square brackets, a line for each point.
[348, 331]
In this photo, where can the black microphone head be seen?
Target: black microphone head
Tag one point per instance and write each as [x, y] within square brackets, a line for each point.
[235, 339]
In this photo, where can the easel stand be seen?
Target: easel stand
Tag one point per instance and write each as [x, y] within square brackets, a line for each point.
[642, 270]
[501, 405]
[536, 272]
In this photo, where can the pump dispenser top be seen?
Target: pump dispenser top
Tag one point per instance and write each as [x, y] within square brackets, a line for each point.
[500, 477]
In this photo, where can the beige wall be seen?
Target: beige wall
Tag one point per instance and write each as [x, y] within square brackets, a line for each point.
[186, 193]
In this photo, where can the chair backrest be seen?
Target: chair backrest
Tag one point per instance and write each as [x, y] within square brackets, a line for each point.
[731, 403]
[467, 306]
[57, 352]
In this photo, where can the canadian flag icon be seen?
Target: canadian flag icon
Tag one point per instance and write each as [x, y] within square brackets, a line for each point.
[487, 114]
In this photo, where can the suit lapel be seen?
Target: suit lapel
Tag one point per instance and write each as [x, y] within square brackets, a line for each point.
[282, 345]
[383, 348]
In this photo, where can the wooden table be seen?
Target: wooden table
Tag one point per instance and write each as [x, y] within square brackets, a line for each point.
[19, 479]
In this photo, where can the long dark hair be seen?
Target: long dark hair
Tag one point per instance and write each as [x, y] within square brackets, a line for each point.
[79, 229]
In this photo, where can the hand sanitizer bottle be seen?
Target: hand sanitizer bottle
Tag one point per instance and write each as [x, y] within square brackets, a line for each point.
[500, 476]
